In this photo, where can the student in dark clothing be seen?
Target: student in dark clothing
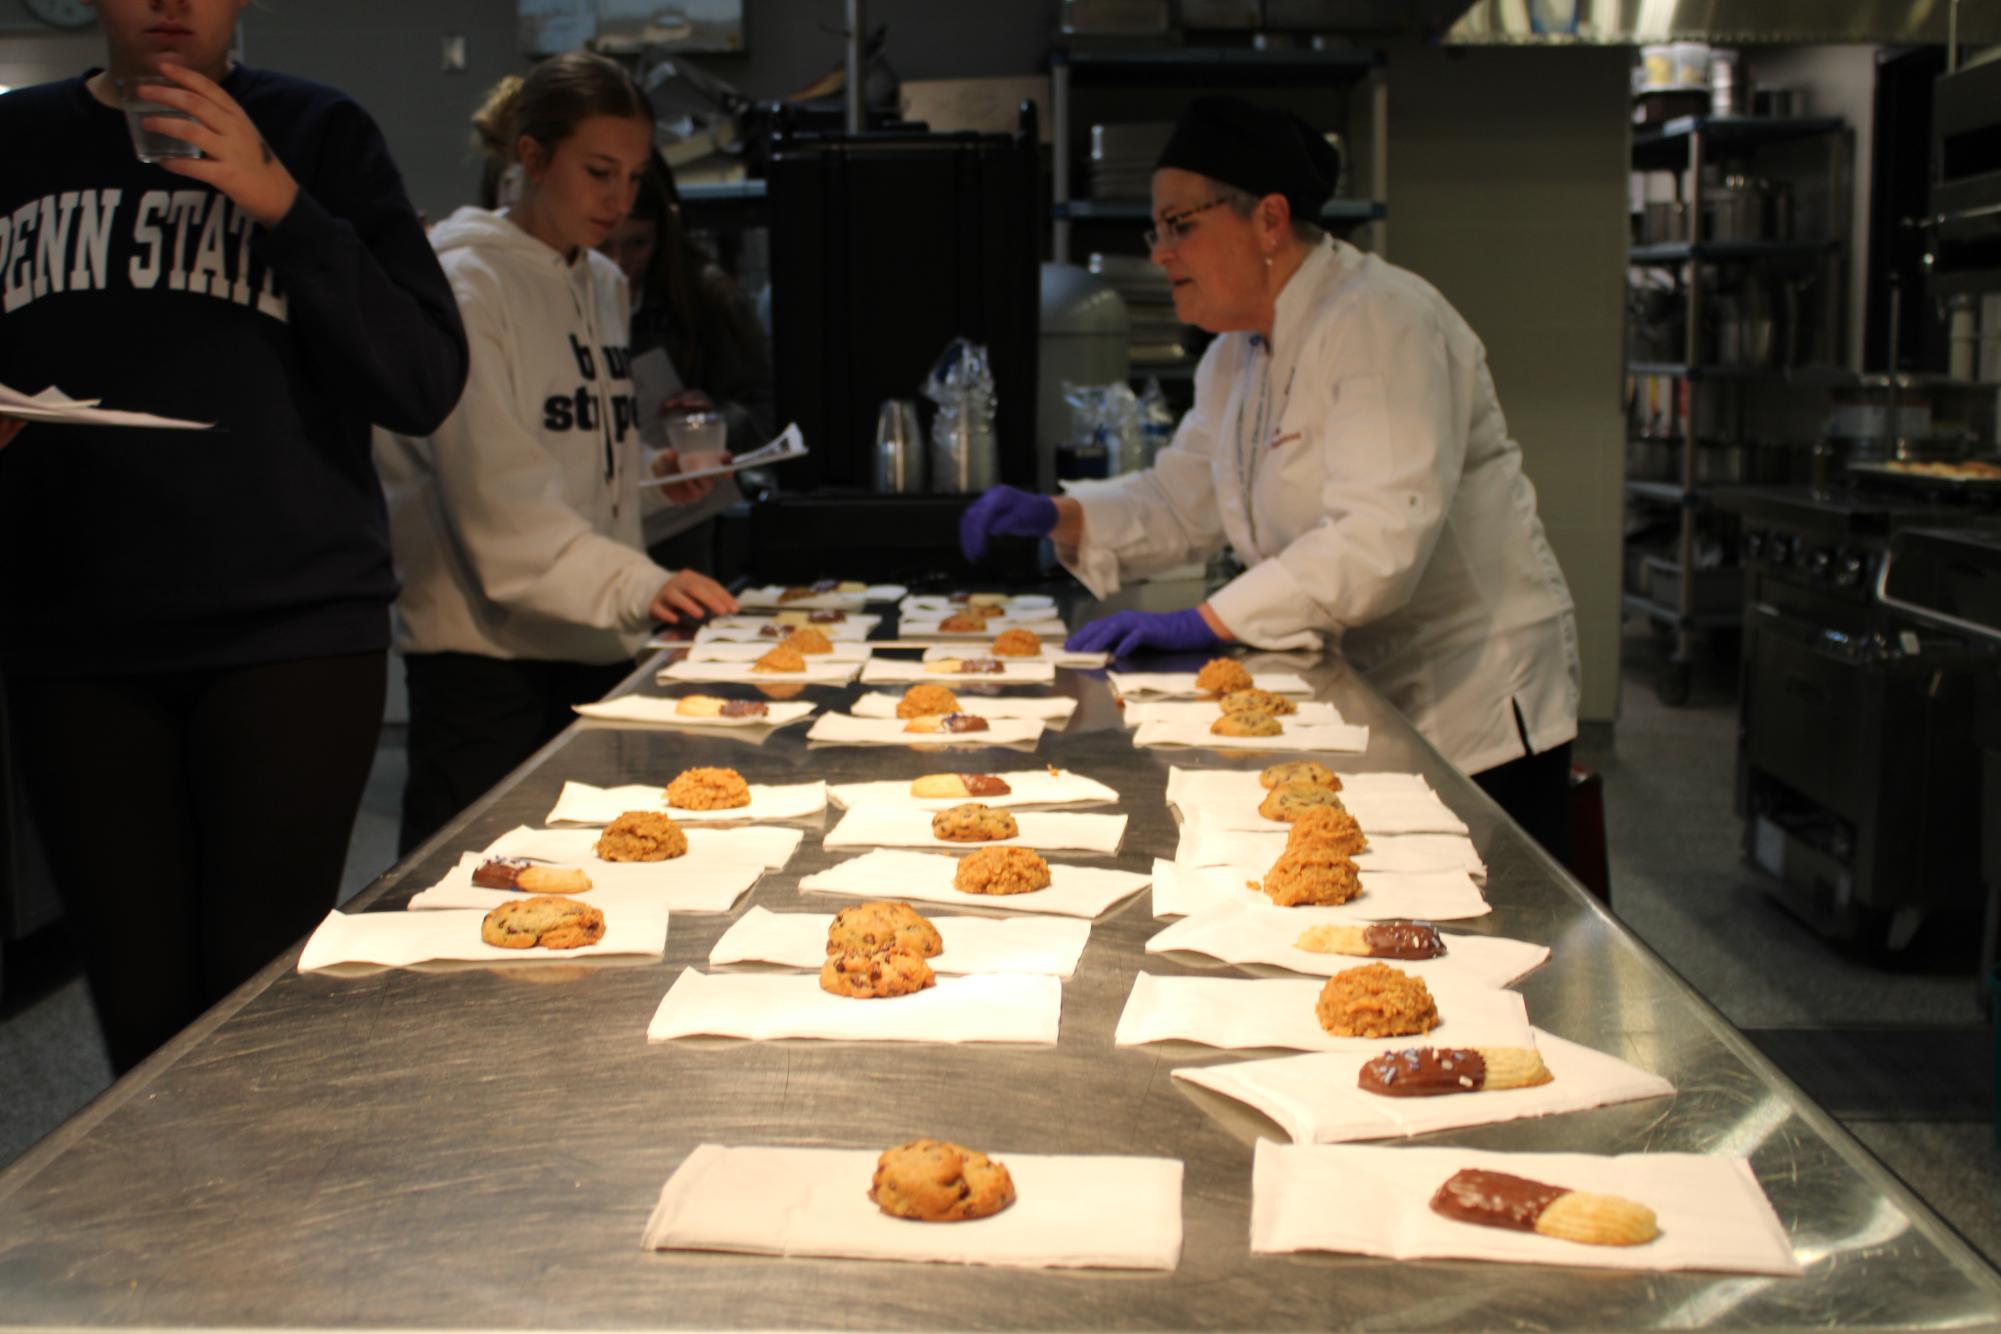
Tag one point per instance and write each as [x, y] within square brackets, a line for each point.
[193, 624]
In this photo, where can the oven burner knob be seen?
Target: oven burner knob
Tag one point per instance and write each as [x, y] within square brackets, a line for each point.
[1848, 568]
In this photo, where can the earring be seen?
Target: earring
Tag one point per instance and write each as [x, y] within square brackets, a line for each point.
[1267, 261]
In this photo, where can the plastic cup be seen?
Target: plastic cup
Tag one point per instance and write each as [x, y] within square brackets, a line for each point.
[149, 145]
[695, 432]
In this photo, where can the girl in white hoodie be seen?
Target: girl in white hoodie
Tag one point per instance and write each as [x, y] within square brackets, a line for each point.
[516, 525]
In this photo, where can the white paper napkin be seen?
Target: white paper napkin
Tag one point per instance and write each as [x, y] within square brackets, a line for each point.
[729, 629]
[994, 1007]
[1070, 1212]
[904, 827]
[399, 939]
[1317, 1100]
[1427, 896]
[1240, 932]
[771, 597]
[763, 847]
[902, 671]
[1016, 604]
[1278, 1012]
[1203, 712]
[1049, 945]
[581, 803]
[1347, 737]
[1204, 845]
[653, 711]
[1027, 787]
[611, 882]
[1074, 891]
[1054, 654]
[819, 671]
[1182, 684]
[878, 704]
[1201, 793]
[846, 729]
[841, 650]
[1378, 809]
[1377, 1201]
[931, 625]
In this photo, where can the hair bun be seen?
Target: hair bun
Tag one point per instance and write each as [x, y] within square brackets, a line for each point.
[493, 124]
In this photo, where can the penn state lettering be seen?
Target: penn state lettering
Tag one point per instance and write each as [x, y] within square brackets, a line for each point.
[194, 241]
[578, 410]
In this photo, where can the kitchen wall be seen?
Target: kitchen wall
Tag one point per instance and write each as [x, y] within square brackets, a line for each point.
[386, 55]
[1508, 173]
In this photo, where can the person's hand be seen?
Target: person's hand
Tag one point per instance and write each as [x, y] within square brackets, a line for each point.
[9, 428]
[693, 595]
[235, 159]
[1124, 631]
[668, 462]
[687, 400]
[1004, 511]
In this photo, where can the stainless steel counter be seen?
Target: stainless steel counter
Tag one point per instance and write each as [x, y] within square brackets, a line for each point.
[477, 1147]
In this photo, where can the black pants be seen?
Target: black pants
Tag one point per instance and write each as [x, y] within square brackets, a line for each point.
[1535, 790]
[474, 718]
[196, 822]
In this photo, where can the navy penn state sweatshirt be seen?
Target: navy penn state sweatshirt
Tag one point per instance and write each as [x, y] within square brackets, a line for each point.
[128, 551]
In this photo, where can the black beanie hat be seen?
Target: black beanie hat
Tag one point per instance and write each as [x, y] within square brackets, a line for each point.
[1260, 149]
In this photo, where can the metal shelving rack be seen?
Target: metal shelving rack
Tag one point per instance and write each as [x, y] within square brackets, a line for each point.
[1687, 145]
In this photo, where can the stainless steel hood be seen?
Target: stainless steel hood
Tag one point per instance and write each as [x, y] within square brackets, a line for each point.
[1732, 22]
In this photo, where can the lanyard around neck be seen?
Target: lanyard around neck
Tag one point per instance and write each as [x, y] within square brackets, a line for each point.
[1248, 454]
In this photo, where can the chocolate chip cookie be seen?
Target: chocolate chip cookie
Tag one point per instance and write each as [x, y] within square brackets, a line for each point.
[869, 928]
[874, 974]
[934, 1181]
[552, 923]
[1300, 771]
[973, 822]
[1289, 801]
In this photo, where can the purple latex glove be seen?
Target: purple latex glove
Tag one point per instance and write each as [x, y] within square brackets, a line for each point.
[1004, 511]
[1124, 631]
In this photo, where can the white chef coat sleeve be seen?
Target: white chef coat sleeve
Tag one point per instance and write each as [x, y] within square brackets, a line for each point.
[1165, 515]
[502, 496]
[1389, 428]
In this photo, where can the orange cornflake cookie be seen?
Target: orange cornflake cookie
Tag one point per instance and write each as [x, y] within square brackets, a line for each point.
[1017, 644]
[1311, 876]
[1219, 676]
[641, 836]
[935, 1181]
[783, 658]
[1001, 871]
[1376, 1001]
[807, 640]
[920, 700]
[1328, 830]
[963, 623]
[708, 790]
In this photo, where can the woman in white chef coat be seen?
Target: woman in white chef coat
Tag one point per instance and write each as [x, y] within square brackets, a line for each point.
[1347, 442]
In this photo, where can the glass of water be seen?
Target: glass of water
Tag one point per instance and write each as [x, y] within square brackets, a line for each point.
[151, 145]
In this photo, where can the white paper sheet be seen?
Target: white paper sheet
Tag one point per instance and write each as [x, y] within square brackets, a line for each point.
[1427, 896]
[1202, 845]
[994, 1007]
[1202, 712]
[1070, 1212]
[904, 827]
[1049, 945]
[1047, 786]
[611, 882]
[1213, 800]
[750, 629]
[399, 939]
[1053, 654]
[716, 650]
[1020, 605]
[880, 704]
[889, 873]
[764, 847]
[583, 803]
[930, 625]
[1181, 685]
[1323, 737]
[770, 598]
[654, 711]
[1278, 1012]
[818, 672]
[846, 729]
[53, 407]
[1240, 932]
[1377, 1201]
[906, 671]
[1316, 1098]
[1198, 792]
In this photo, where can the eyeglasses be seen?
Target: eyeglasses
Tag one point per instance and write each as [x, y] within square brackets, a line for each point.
[1175, 226]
